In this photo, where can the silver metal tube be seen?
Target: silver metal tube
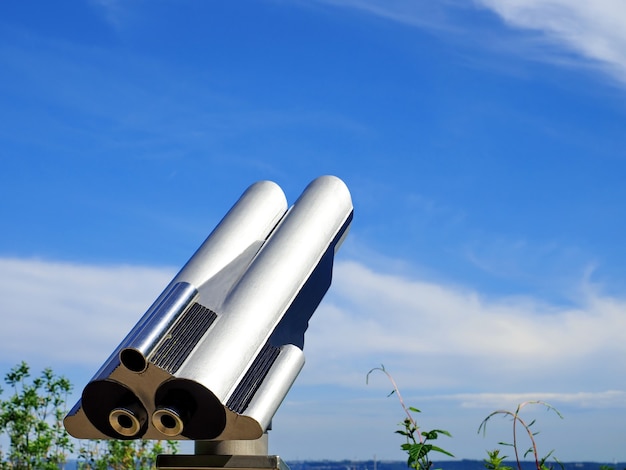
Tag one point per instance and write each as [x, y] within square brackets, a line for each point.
[258, 301]
[178, 299]
[246, 226]
[276, 384]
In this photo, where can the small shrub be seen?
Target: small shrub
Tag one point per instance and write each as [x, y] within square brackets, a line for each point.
[32, 418]
[418, 444]
[540, 462]
[496, 461]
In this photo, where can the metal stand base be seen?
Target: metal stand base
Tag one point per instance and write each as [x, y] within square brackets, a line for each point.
[220, 462]
[224, 455]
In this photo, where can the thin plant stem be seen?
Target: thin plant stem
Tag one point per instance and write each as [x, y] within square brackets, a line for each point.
[396, 390]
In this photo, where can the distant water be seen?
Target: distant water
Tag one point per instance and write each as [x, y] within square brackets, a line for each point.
[445, 465]
[401, 465]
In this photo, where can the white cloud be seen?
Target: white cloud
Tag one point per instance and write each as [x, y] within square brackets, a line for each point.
[456, 354]
[449, 333]
[584, 400]
[71, 313]
[595, 30]
[432, 336]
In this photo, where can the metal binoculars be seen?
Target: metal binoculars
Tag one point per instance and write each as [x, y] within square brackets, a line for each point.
[216, 353]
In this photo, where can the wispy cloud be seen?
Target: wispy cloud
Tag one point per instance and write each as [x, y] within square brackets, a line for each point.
[583, 400]
[434, 16]
[595, 30]
[113, 11]
[448, 331]
[565, 32]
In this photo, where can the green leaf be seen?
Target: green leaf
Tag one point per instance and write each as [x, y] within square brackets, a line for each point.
[419, 450]
[441, 451]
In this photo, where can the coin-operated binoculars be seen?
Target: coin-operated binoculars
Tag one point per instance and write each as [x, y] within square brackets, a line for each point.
[214, 356]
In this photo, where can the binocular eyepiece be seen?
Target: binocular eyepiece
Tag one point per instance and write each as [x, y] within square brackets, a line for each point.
[168, 422]
[128, 421]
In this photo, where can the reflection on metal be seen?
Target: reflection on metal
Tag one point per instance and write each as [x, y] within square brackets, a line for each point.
[215, 355]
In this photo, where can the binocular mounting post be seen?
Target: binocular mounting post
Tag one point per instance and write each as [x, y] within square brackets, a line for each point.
[225, 455]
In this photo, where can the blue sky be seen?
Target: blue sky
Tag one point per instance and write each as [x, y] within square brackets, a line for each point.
[483, 143]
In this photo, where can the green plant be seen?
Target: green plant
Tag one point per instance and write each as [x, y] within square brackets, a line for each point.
[418, 444]
[540, 462]
[122, 455]
[32, 418]
[496, 461]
